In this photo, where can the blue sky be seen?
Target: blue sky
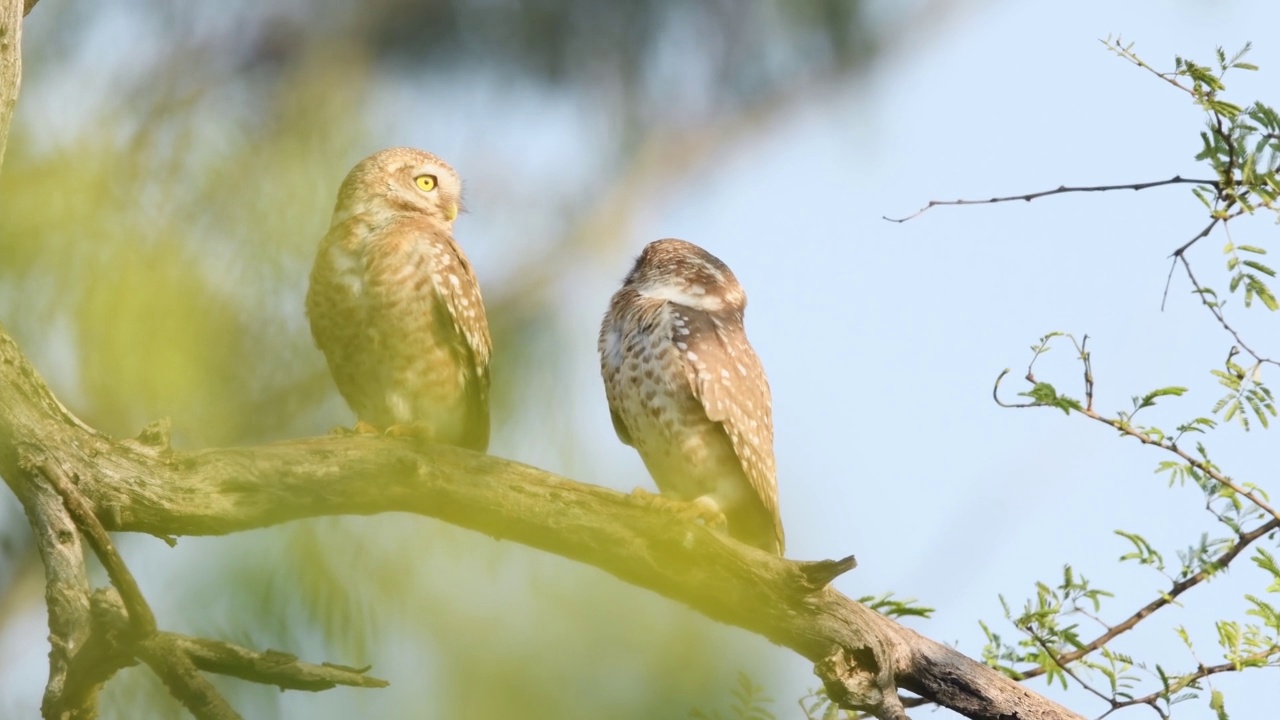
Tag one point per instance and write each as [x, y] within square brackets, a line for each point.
[882, 340]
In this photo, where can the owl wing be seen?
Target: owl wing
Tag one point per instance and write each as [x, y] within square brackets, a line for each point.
[620, 427]
[727, 378]
[609, 346]
[463, 308]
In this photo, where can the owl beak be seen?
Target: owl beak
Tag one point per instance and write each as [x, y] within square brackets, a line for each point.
[453, 211]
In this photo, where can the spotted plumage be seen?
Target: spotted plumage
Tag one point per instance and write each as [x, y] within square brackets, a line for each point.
[395, 306]
[687, 391]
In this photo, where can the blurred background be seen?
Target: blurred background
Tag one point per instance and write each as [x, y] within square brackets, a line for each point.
[173, 165]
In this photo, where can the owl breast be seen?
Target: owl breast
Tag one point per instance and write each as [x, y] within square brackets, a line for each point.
[377, 312]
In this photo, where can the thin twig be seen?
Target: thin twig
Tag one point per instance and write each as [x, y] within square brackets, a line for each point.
[1204, 233]
[1200, 465]
[1065, 667]
[1061, 189]
[1201, 673]
[269, 667]
[1087, 361]
[1125, 53]
[1217, 313]
[1127, 429]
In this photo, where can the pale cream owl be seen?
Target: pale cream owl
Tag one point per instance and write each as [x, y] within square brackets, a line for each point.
[395, 306]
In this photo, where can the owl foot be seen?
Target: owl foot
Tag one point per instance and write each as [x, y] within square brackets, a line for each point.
[703, 509]
[706, 510]
[361, 428]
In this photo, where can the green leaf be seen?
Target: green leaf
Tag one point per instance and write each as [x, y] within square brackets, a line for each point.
[1218, 704]
[1142, 550]
[1149, 399]
[1044, 394]
[1260, 267]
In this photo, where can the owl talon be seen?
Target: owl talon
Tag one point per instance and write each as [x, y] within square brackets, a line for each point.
[409, 430]
[361, 428]
[706, 510]
[644, 496]
[656, 501]
[703, 509]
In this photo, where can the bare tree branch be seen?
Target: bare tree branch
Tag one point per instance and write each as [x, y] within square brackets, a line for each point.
[124, 629]
[273, 667]
[140, 615]
[1061, 189]
[110, 647]
[862, 657]
[174, 658]
[66, 582]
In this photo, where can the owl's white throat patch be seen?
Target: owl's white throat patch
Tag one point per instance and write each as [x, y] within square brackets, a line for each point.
[690, 296]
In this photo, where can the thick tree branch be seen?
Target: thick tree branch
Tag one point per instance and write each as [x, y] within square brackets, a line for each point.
[184, 681]
[141, 485]
[126, 629]
[66, 583]
[140, 615]
[11, 13]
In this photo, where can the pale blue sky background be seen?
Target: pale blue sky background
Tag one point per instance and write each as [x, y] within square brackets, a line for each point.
[882, 341]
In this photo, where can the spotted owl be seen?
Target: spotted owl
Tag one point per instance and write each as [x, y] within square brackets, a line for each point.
[395, 306]
[687, 391]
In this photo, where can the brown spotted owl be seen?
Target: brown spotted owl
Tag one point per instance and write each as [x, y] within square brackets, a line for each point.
[395, 306]
[687, 391]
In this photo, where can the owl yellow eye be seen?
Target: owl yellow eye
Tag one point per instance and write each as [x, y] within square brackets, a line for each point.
[426, 183]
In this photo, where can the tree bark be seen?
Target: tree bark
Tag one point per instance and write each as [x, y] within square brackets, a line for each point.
[142, 485]
[11, 12]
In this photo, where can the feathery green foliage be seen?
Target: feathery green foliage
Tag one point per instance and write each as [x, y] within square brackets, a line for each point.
[1070, 630]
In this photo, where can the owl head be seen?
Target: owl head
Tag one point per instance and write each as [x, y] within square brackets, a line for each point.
[683, 273]
[400, 181]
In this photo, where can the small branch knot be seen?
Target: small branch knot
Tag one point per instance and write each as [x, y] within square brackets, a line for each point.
[818, 574]
[155, 436]
[860, 680]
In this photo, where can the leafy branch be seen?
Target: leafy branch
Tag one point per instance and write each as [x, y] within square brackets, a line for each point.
[1053, 648]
